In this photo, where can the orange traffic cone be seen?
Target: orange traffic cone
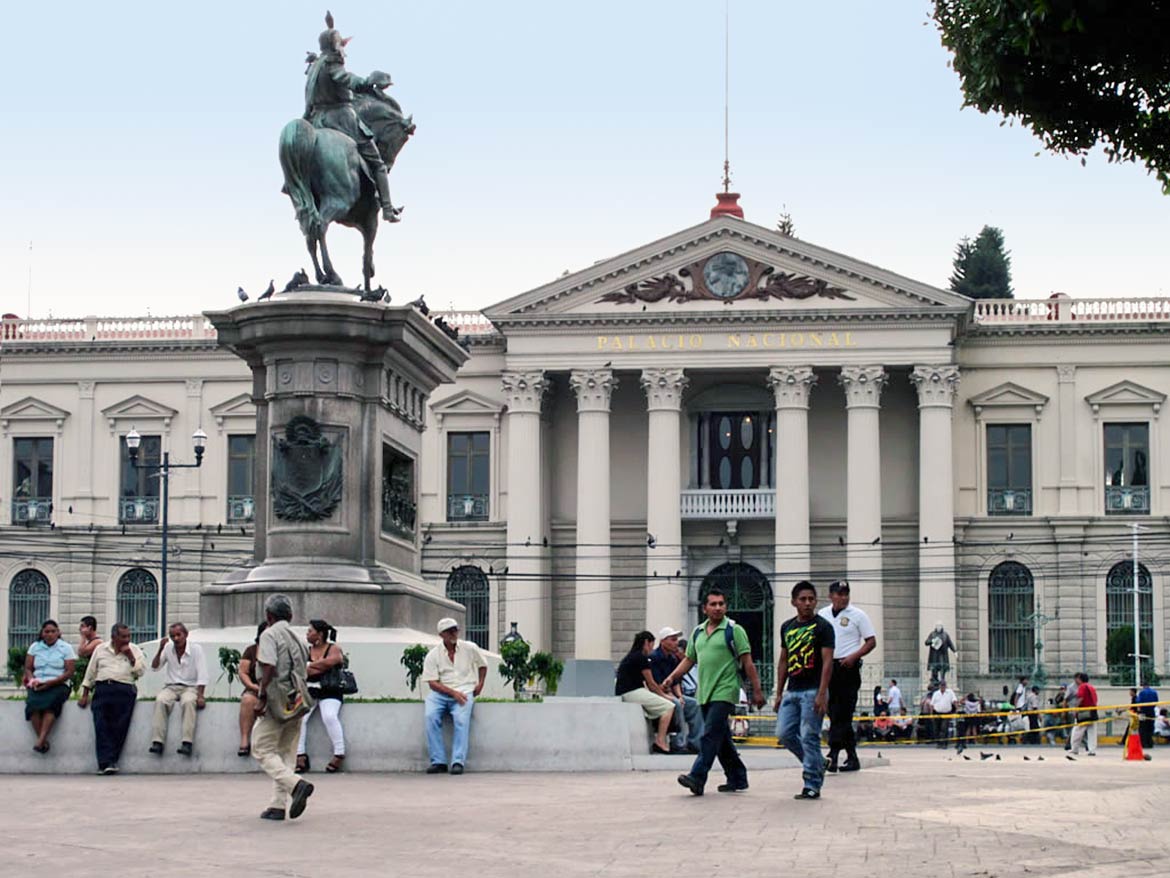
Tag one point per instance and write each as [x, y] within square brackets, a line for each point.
[1133, 744]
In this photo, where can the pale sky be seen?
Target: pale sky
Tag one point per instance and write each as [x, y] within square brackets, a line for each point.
[139, 150]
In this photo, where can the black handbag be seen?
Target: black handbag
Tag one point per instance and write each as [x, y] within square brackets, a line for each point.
[340, 678]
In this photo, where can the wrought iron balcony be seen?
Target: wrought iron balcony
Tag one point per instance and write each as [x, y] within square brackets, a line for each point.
[1127, 500]
[1009, 501]
[138, 510]
[467, 507]
[728, 503]
[241, 508]
[32, 510]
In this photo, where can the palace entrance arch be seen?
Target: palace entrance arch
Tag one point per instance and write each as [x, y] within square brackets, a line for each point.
[750, 603]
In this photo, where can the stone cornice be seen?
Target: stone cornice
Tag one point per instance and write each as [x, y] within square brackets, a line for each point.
[863, 385]
[107, 349]
[936, 385]
[791, 386]
[664, 388]
[728, 229]
[587, 324]
[593, 388]
[1058, 334]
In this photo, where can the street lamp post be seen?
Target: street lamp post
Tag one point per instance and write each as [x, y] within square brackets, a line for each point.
[133, 440]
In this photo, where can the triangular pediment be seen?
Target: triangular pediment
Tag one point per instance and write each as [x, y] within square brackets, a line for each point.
[238, 406]
[32, 409]
[467, 402]
[138, 406]
[1126, 393]
[1008, 394]
[689, 273]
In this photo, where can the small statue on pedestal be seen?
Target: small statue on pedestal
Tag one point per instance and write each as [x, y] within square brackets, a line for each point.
[941, 645]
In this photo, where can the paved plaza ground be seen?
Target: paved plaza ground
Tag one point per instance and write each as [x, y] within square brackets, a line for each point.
[926, 813]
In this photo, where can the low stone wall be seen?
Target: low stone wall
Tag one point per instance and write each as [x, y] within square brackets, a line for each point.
[560, 734]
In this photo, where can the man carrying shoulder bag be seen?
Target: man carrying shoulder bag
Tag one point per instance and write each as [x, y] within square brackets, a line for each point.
[284, 698]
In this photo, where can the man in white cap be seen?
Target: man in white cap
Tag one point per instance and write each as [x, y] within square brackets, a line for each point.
[455, 670]
[664, 659]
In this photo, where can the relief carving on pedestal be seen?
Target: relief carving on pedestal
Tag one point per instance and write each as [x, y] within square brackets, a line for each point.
[306, 472]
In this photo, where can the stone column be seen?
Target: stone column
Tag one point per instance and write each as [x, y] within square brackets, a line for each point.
[666, 598]
[592, 631]
[936, 501]
[863, 559]
[791, 386]
[528, 594]
[1066, 376]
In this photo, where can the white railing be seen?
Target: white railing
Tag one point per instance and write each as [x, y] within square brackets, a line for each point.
[723, 504]
[1062, 309]
[467, 322]
[194, 326]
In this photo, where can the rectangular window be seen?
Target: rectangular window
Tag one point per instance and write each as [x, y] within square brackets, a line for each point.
[399, 507]
[32, 481]
[241, 465]
[1009, 469]
[1127, 469]
[138, 501]
[468, 476]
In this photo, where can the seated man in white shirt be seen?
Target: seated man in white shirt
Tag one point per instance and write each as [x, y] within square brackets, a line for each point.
[455, 670]
[186, 680]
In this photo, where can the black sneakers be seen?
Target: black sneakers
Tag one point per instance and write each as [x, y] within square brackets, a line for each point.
[272, 814]
[732, 788]
[851, 764]
[685, 780]
[156, 747]
[436, 768]
[806, 793]
[457, 768]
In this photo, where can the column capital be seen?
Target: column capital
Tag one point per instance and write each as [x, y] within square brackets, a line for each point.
[791, 385]
[593, 387]
[524, 390]
[664, 388]
[863, 385]
[936, 385]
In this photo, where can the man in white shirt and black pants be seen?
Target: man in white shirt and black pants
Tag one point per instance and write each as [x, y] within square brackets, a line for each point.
[854, 638]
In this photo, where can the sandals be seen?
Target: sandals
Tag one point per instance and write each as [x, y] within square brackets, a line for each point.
[334, 765]
[302, 763]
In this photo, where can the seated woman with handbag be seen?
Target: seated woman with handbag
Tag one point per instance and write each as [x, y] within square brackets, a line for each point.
[48, 668]
[327, 683]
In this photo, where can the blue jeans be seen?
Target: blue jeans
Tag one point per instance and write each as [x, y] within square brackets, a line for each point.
[439, 705]
[692, 719]
[716, 742]
[799, 728]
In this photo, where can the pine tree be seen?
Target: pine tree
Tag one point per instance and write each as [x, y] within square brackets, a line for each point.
[785, 226]
[983, 268]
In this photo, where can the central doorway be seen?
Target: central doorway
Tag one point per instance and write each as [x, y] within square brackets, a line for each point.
[750, 603]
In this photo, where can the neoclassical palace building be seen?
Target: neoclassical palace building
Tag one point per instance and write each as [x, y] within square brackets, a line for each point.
[725, 406]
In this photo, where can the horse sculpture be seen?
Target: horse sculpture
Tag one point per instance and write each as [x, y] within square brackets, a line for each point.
[327, 181]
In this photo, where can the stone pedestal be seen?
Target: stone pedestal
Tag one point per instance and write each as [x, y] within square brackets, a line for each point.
[340, 388]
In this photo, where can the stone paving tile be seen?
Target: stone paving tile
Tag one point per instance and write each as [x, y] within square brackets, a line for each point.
[924, 814]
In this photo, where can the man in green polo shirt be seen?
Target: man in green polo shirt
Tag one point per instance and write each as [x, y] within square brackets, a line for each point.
[718, 693]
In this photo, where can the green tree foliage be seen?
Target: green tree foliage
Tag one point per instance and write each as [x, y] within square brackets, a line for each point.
[983, 269]
[515, 667]
[412, 659]
[1078, 73]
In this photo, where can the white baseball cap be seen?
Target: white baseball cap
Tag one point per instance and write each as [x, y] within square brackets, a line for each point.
[446, 624]
[666, 632]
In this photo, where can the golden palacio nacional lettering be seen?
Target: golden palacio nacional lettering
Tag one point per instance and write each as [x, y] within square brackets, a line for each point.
[726, 341]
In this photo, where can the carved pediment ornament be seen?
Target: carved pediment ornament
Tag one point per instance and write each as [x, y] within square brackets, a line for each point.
[763, 282]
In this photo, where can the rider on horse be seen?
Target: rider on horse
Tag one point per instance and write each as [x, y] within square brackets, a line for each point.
[329, 104]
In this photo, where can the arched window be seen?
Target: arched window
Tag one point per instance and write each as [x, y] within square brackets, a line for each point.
[28, 607]
[469, 586]
[1011, 624]
[749, 603]
[137, 601]
[1119, 613]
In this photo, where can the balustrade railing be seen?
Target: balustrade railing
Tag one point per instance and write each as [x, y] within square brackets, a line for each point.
[194, 326]
[728, 503]
[1066, 310]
